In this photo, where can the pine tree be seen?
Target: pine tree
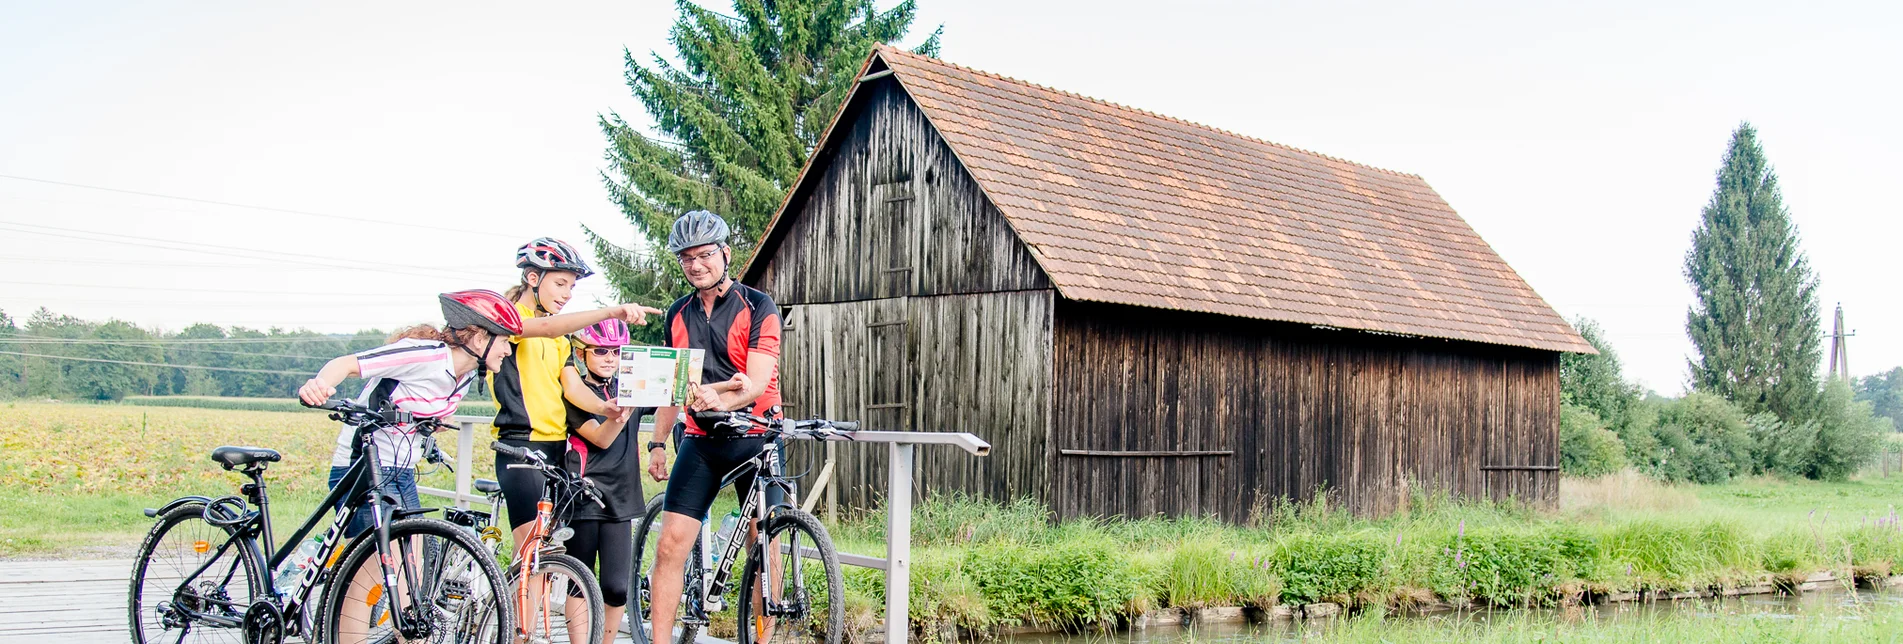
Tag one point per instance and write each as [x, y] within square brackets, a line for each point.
[1755, 323]
[737, 118]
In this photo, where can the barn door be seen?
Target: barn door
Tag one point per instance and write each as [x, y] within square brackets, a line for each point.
[895, 239]
[888, 368]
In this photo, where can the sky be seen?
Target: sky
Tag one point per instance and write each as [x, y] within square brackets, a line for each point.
[387, 151]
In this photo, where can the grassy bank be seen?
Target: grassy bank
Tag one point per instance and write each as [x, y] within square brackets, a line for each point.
[79, 473]
[979, 565]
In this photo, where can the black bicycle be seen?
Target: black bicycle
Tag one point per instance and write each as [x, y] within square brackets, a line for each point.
[795, 595]
[202, 576]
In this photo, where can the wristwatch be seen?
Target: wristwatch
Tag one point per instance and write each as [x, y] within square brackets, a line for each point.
[654, 445]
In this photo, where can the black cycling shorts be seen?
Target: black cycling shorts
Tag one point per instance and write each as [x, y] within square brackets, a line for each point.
[522, 487]
[702, 462]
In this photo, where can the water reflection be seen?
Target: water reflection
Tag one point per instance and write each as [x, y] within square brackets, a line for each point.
[1837, 601]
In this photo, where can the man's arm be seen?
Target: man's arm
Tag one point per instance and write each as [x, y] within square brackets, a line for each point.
[758, 362]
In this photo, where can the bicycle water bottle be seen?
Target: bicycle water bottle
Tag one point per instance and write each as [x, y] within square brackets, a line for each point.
[294, 566]
[725, 534]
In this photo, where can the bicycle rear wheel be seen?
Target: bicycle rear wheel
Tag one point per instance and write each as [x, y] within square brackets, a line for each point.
[458, 593]
[804, 590]
[209, 609]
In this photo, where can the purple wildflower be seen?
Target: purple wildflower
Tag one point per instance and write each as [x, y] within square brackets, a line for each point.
[1463, 529]
[1232, 556]
[1397, 539]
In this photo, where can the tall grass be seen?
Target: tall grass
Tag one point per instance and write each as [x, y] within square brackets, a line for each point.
[1013, 564]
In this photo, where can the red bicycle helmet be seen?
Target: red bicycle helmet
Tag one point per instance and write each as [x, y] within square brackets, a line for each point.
[610, 333]
[551, 254]
[482, 308]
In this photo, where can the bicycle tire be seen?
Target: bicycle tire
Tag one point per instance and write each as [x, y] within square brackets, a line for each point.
[785, 526]
[646, 541]
[244, 556]
[464, 585]
[577, 573]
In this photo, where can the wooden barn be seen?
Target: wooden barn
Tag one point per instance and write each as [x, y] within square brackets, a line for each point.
[1145, 315]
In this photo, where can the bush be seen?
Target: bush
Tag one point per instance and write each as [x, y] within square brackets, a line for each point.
[1069, 583]
[1520, 566]
[1848, 434]
[1332, 567]
[1779, 447]
[1702, 438]
[1586, 447]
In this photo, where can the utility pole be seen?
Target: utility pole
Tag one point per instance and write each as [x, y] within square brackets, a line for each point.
[1839, 347]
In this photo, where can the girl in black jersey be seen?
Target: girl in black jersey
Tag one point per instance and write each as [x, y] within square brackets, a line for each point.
[602, 451]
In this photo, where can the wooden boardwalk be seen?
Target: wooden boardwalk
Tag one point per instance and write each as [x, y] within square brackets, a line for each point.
[76, 602]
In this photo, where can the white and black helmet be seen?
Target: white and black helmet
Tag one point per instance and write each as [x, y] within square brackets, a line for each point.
[697, 228]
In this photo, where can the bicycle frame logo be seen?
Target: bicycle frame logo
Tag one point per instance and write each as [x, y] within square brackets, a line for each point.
[328, 550]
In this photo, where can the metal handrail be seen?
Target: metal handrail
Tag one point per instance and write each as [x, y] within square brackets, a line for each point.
[898, 521]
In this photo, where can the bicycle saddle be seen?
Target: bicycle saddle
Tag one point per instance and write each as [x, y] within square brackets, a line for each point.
[231, 457]
[487, 486]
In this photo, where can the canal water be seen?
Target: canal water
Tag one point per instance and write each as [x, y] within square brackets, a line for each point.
[1836, 604]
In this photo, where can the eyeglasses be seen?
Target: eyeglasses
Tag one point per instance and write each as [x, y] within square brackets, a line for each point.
[702, 257]
[602, 352]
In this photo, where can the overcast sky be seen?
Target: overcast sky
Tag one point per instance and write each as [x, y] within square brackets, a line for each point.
[1579, 139]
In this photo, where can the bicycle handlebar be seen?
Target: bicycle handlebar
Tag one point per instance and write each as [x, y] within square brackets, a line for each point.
[812, 427]
[533, 460]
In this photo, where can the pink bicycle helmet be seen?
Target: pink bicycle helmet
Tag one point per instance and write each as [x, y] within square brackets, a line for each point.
[610, 333]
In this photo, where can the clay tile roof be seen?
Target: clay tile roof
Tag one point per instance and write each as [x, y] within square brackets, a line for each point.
[1126, 206]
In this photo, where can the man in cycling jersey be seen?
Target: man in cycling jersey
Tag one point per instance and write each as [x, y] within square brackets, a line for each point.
[739, 328]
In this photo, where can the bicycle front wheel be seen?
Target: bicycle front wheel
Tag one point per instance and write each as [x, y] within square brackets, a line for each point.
[448, 589]
[647, 545]
[795, 592]
[561, 602]
[165, 607]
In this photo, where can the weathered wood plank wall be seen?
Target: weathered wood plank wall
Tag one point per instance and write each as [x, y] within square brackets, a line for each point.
[1264, 410]
[911, 305]
[976, 363]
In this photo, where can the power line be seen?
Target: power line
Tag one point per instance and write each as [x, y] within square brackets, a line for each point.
[183, 246]
[155, 364]
[54, 340]
[265, 208]
[214, 290]
[149, 344]
[468, 268]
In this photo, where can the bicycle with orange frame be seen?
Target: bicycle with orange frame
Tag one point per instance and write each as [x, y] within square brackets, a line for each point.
[560, 595]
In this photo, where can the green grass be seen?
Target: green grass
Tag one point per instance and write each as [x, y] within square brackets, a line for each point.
[80, 473]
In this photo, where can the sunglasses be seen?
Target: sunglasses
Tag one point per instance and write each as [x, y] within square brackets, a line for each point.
[603, 351]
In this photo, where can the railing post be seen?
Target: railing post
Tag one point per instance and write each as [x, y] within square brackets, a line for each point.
[898, 546]
[466, 468]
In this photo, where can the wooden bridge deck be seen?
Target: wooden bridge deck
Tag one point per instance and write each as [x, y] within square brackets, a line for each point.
[76, 602]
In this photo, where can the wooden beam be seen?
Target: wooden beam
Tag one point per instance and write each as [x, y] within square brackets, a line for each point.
[1142, 453]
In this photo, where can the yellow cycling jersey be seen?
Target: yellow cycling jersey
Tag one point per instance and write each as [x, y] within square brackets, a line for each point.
[529, 388]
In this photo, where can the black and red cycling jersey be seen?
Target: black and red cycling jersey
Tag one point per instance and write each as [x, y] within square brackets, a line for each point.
[744, 320]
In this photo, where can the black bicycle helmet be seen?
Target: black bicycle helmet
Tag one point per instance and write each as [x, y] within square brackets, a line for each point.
[697, 228]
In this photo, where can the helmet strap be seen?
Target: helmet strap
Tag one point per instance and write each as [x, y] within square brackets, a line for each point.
[482, 362]
[535, 290]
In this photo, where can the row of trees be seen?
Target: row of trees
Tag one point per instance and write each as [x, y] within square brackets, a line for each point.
[70, 358]
[1756, 405]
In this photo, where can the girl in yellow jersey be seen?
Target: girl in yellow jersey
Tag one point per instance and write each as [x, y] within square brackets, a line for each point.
[529, 389]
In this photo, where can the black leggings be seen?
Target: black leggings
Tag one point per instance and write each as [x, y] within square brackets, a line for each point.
[613, 543]
[522, 488]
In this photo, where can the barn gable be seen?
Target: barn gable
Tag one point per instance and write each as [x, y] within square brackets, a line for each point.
[1123, 206]
[887, 188]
